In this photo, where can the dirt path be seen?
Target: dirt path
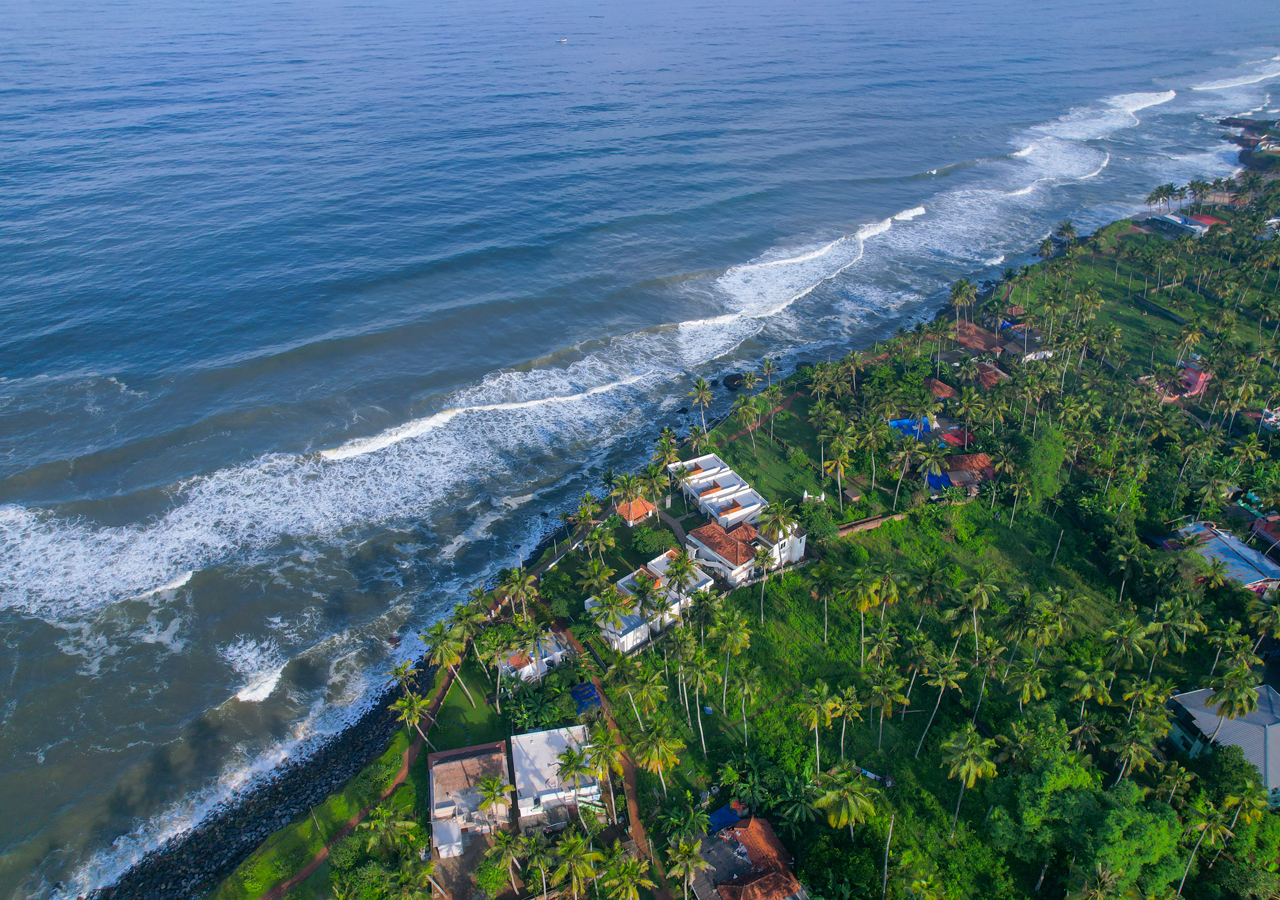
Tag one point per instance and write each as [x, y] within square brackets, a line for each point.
[628, 775]
[283, 888]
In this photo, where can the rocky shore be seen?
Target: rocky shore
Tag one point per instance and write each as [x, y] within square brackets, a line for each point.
[195, 862]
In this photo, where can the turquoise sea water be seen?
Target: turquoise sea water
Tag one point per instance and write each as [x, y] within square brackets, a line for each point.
[312, 315]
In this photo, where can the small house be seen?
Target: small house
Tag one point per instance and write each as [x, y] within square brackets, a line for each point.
[1257, 734]
[535, 758]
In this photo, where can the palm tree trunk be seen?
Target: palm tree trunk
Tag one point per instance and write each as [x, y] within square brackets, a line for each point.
[636, 711]
[458, 677]
[724, 693]
[862, 656]
[697, 701]
[824, 620]
[1190, 859]
[745, 736]
[422, 734]
[981, 692]
[664, 783]
[956, 817]
[884, 888]
[763, 579]
[880, 739]
[930, 725]
[817, 753]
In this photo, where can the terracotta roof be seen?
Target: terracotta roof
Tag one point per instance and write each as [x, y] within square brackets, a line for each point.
[519, 661]
[1014, 310]
[716, 539]
[969, 462]
[772, 878]
[634, 510]
[976, 338]
[1208, 220]
[744, 532]
[940, 390]
[989, 376]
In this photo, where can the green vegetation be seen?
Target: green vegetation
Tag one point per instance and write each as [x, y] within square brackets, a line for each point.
[968, 701]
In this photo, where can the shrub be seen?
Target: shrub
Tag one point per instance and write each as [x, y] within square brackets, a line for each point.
[491, 877]
[798, 459]
[347, 854]
[369, 784]
[817, 520]
[651, 542]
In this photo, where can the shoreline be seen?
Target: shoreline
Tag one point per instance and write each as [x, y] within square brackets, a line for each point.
[195, 862]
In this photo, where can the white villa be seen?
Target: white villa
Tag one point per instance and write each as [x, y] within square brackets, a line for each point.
[535, 759]
[635, 631]
[720, 493]
[727, 543]
[549, 652]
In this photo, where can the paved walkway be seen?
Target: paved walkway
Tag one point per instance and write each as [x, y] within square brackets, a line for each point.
[675, 525]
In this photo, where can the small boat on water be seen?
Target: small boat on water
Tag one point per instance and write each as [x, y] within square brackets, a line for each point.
[563, 41]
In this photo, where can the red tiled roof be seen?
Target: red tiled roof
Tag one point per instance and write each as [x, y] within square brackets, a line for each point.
[744, 532]
[940, 390]
[989, 376]
[969, 462]
[635, 510]
[772, 879]
[519, 661]
[976, 338]
[716, 539]
[1014, 310]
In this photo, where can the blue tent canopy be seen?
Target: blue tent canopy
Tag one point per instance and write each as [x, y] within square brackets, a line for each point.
[910, 427]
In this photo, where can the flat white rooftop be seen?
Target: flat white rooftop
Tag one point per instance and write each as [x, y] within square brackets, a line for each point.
[535, 758]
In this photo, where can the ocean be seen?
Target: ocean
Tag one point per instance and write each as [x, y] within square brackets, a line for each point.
[315, 315]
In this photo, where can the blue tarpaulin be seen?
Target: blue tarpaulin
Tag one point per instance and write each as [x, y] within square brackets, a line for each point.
[938, 482]
[585, 696]
[721, 818]
[910, 427]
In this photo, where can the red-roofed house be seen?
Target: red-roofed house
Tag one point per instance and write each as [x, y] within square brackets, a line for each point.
[989, 376]
[732, 553]
[767, 875]
[548, 652]
[975, 338]
[636, 511]
[970, 469]
[940, 391]
[1207, 221]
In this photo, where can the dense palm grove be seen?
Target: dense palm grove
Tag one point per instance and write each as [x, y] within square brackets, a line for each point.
[968, 701]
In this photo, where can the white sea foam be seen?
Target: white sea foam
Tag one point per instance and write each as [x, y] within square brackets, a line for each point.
[260, 665]
[1266, 74]
[908, 214]
[1094, 122]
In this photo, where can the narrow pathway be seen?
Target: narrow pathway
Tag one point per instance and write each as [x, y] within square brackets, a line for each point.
[283, 888]
[628, 775]
[675, 525]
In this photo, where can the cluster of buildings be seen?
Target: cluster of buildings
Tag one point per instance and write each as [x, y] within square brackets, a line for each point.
[724, 546]
[529, 770]
[727, 542]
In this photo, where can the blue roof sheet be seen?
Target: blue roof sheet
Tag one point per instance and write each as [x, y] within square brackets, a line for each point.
[1243, 563]
[721, 818]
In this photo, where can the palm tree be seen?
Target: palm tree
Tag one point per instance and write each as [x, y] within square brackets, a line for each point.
[1027, 682]
[835, 465]
[658, 751]
[596, 576]
[702, 398]
[901, 460]
[815, 713]
[870, 436]
[412, 709]
[599, 540]
[628, 877]
[747, 412]
[684, 861]
[1088, 684]
[968, 758]
[538, 855]
[572, 765]
[624, 674]
[767, 368]
[606, 753]
[734, 637]
[1234, 695]
[579, 862]
[990, 657]
[1251, 801]
[508, 849]
[445, 649]
[963, 295]
[846, 706]
[518, 586]
[387, 829]
[944, 674]
[405, 675]
[1133, 746]
[885, 692]
[702, 675]
[762, 560]
[493, 794]
[747, 685]
[1211, 824]
[846, 797]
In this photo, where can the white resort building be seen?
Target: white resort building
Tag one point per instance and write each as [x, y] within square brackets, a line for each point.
[727, 542]
[635, 631]
[719, 492]
[535, 760]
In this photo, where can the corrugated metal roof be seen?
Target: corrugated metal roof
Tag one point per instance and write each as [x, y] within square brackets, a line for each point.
[1257, 734]
[1243, 563]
